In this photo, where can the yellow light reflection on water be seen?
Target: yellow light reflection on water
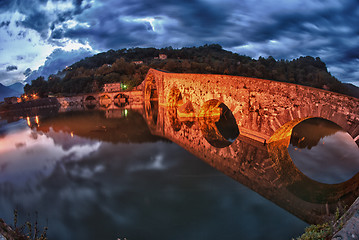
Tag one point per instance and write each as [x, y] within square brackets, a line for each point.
[28, 121]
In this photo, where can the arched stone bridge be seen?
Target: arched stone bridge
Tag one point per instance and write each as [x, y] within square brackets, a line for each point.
[262, 110]
[103, 99]
[259, 106]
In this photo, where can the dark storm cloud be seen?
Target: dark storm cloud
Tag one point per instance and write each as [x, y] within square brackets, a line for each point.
[109, 33]
[282, 29]
[19, 57]
[4, 24]
[194, 15]
[79, 7]
[27, 72]
[37, 21]
[11, 68]
[37, 17]
[57, 34]
[320, 23]
[350, 54]
[56, 61]
[5, 5]
[119, 28]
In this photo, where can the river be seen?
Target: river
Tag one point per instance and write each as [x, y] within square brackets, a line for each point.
[105, 175]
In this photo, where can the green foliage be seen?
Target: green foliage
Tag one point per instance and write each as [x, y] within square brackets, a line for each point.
[28, 231]
[326, 230]
[117, 66]
[317, 232]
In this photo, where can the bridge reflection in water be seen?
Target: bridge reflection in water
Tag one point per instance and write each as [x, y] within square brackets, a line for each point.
[266, 168]
[250, 142]
[213, 136]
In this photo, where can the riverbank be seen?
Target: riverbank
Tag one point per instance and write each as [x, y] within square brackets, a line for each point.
[348, 224]
[341, 227]
[30, 105]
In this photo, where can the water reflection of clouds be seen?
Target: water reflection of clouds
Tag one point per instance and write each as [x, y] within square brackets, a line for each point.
[66, 140]
[128, 187]
[334, 160]
[26, 155]
[7, 128]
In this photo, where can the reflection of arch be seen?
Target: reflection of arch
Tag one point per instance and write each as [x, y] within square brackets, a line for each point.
[151, 93]
[151, 111]
[121, 100]
[105, 101]
[303, 133]
[298, 183]
[90, 98]
[217, 123]
[90, 102]
[173, 101]
[174, 98]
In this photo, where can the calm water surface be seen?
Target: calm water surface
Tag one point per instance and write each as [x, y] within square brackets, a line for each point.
[95, 175]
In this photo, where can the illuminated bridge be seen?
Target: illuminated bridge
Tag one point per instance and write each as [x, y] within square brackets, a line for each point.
[260, 107]
[187, 109]
[103, 100]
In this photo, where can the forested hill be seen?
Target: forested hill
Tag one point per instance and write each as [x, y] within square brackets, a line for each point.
[130, 67]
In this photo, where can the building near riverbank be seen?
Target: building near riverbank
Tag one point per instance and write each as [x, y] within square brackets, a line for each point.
[114, 87]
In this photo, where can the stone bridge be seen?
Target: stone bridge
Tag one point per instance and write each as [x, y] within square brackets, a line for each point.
[177, 107]
[103, 100]
[260, 107]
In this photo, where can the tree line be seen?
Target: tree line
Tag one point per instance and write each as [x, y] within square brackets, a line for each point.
[90, 74]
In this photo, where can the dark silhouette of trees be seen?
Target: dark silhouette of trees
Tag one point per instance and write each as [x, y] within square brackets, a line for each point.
[119, 66]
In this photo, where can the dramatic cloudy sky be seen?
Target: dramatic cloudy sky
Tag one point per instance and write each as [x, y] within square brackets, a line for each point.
[46, 35]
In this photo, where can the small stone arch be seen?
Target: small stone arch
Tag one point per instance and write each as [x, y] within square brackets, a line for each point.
[90, 102]
[90, 98]
[105, 100]
[121, 100]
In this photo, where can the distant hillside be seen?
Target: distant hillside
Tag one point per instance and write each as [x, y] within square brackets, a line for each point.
[17, 87]
[7, 92]
[354, 90]
[130, 66]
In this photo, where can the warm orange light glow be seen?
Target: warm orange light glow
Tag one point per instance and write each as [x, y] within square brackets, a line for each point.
[72, 134]
[28, 121]
[37, 120]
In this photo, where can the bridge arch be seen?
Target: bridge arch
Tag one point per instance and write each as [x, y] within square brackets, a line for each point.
[345, 119]
[90, 102]
[90, 98]
[300, 184]
[105, 100]
[217, 124]
[121, 100]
